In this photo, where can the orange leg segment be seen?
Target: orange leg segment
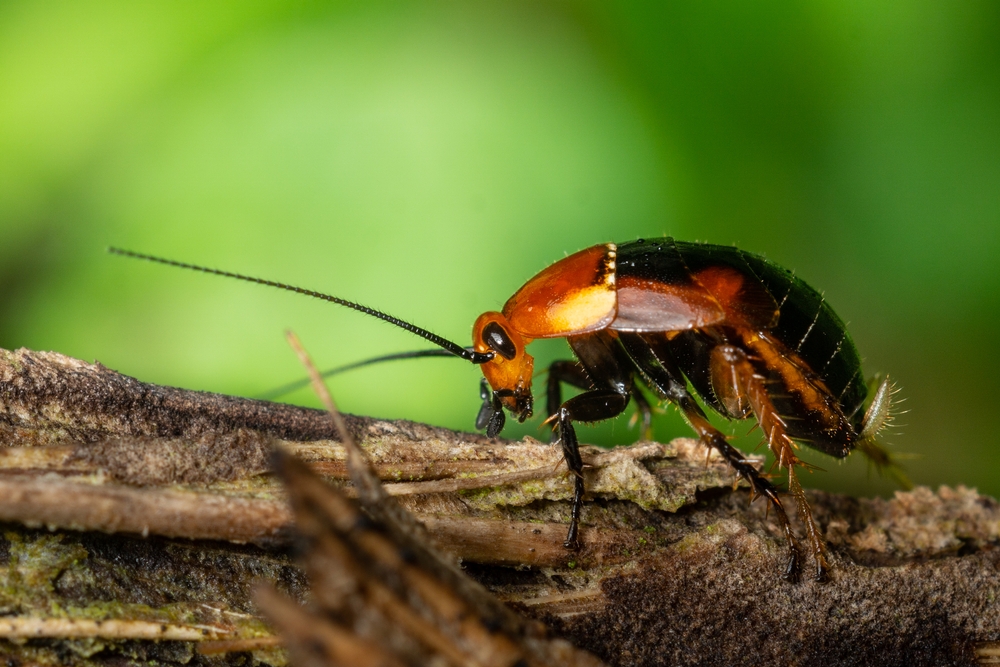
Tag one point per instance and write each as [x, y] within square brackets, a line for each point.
[665, 378]
[740, 379]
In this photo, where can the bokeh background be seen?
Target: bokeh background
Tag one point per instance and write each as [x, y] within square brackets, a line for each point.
[427, 158]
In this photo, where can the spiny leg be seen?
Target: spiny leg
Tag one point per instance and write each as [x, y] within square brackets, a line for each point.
[735, 368]
[663, 375]
[759, 485]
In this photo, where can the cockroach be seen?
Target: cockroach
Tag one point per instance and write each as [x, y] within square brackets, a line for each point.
[745, 335]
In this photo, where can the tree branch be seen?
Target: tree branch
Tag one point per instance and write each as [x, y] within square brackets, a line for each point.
[676, 567]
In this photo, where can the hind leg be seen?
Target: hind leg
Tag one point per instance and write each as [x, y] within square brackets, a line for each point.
[662, 374]
[733, 375]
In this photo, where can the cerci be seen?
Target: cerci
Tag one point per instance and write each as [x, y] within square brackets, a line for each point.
[745, 334]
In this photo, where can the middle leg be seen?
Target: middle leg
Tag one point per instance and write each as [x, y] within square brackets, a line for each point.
[572, 373]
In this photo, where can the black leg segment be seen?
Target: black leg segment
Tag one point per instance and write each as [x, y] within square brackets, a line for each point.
[595, 405]
[605, 370]
[655, 362]
[564, 371]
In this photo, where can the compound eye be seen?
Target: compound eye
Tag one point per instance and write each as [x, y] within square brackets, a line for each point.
[496, 338]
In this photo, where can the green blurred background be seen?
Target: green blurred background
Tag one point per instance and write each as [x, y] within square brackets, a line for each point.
[427, 158]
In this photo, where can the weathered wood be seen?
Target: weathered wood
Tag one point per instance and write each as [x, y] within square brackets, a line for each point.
[676, 567]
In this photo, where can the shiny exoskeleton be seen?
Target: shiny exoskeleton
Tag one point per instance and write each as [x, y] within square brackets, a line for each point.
[749, 337]
[746, 335]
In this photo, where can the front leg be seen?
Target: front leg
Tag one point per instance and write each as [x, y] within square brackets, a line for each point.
[591, 406]
[563, 371]
[607, 371]
[572, 373]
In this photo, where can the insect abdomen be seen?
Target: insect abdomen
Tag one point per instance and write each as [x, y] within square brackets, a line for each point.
[808, 326]
[757, 295]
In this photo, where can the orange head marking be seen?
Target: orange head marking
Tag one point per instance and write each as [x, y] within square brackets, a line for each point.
[510, 370]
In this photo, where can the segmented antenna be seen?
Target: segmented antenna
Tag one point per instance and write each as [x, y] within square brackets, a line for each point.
[298, 384]
[454, 348]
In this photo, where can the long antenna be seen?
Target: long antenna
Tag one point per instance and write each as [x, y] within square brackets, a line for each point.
[454, 348]
[298, 384]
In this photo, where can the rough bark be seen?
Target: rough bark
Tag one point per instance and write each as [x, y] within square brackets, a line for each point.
[140, 518]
